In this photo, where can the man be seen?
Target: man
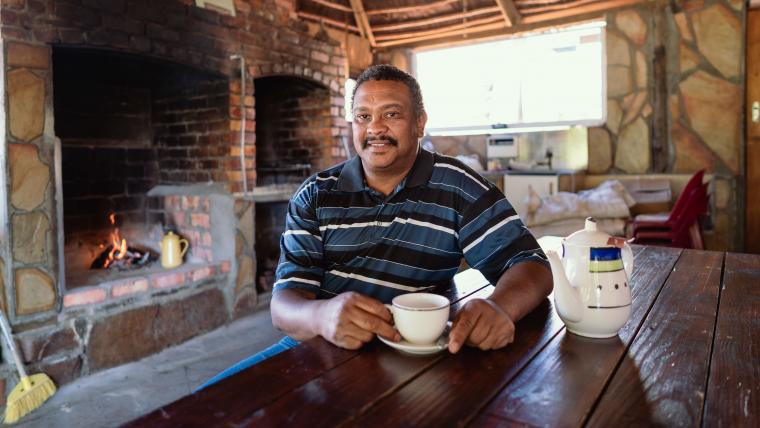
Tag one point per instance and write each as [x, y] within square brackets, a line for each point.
[398, 219]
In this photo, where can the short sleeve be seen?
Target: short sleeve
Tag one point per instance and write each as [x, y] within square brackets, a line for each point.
[493, 238]
[301, 249]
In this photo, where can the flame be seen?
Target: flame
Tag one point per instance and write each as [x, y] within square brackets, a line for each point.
[118, 245]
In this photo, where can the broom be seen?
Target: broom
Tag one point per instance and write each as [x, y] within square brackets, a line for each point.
[31, 391]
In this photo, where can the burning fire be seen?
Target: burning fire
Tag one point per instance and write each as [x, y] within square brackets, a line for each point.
[117, 255]
[118, 244]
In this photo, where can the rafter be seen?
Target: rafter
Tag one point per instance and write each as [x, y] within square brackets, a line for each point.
[331, 22]
[559, 6]
[407, 9]
[333, 5]
[436, 20]
[476, 29]
[443, 30]
[579, 10]
[361, 20]
[510, 12]
[522, 3]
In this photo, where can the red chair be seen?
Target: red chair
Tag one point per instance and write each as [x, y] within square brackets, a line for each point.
[684, 230]
[665, 221]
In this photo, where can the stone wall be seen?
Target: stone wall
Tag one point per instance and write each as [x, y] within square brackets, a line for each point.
[675, 96]
[273, 42]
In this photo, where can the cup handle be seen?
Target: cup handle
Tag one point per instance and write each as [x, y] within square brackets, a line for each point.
[184, 249]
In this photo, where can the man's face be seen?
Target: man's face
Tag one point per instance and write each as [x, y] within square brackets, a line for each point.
[386, 128]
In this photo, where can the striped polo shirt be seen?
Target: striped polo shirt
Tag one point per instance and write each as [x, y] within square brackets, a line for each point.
[341, 235]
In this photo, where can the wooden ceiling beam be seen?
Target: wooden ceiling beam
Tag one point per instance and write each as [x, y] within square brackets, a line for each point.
[436, 20]
[333, 5]
[475, 29]
[407, 9]
[331, 22]
[560, 6]
[599, 6]
[463, 27]
[361, 20]
[510, 12]
[522, 3]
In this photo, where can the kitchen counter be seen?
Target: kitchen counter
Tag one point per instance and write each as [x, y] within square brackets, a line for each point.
[536, 171]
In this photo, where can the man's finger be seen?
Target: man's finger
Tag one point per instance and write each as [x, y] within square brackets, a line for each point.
[374, 307]
[490, 342]
[349, 342]
[460, 331]
[361, 334]
[480, 333]
[371, 323]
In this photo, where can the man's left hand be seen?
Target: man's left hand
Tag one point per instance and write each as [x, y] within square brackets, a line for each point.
[481, 323]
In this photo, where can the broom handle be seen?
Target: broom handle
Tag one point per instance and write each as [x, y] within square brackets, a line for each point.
[12, 346]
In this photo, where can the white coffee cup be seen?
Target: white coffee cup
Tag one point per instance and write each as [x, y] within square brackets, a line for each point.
[420, 317]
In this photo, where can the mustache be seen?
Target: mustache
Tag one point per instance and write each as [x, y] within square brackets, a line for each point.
[389, 139]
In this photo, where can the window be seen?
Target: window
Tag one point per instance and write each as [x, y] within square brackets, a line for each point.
[555, 78]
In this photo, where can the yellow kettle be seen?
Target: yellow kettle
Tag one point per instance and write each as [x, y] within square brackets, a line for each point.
[172, 250]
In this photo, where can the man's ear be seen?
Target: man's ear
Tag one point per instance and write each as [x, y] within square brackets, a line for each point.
[421, 121]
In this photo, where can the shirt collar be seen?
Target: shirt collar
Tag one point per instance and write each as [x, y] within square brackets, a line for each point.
[351, 178]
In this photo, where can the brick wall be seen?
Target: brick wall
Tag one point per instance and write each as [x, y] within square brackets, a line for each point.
[190, 218]
[293, 132]
[191, 126]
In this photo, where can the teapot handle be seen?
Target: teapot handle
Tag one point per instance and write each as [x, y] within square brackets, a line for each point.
[627, 254]
[184, 247]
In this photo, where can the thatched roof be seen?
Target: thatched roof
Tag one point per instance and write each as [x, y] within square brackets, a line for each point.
[390, 23]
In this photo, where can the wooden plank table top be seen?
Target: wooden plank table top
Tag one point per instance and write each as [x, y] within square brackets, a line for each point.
[688, 356]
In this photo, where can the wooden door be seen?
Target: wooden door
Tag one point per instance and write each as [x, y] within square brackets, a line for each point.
[752, 237]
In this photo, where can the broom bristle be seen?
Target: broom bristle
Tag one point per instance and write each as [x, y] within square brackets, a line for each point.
[22, 401]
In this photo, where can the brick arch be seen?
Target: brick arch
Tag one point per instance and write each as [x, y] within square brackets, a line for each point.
[297, 71]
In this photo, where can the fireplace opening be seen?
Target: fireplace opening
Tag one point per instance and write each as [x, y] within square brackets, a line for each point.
[293, 140]
[126, 124]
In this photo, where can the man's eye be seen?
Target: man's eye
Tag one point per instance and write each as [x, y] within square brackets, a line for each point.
[392, 114]
[361, 117]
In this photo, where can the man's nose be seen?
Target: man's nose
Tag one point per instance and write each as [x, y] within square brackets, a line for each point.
[377, 126]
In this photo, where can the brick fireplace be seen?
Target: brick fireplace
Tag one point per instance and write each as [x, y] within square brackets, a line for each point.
[127, 123]
[135, 108]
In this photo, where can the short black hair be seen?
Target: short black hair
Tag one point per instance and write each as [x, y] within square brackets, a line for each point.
[389, 72]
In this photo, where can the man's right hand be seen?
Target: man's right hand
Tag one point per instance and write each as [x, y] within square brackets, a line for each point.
[350, 320]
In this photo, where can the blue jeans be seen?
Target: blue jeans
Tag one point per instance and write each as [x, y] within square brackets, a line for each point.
[283, 345]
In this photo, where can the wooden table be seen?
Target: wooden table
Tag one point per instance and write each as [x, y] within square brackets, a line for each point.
[689, 356]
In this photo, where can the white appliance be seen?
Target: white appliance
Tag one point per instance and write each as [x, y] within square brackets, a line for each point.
[499, 150]
[516, 188]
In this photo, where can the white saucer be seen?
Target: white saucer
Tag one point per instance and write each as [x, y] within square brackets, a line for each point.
[411, 348]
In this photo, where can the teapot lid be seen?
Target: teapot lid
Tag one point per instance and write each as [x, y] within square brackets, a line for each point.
[589, 236]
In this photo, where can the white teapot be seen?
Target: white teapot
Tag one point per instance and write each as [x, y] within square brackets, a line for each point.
[591, 289]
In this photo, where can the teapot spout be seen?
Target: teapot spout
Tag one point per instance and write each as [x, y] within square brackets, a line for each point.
[566, 297]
